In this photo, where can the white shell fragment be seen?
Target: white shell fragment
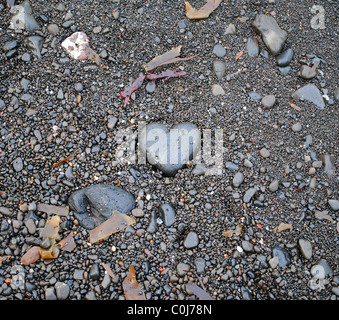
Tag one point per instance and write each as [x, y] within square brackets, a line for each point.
[77, 46]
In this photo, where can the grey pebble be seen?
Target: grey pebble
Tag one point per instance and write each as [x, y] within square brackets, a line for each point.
[268, 101]
[305, 248]
[62, 290]
[274, 185]
[18, 164]
[238, 179]
[191, 240]
[334, 204]
[219, 50]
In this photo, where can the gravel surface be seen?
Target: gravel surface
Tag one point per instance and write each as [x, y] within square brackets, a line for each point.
[280, 159]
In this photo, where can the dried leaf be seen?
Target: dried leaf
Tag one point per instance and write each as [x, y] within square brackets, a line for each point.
[282, 227]
[199, 292]
[2, 259]
[204, 12]
[168, 57]
[162, 59]
[117, 222]
[31, 256]
[230, 233]
[131, 287]
[237, 57]
[67, 244]
[136, 84]
[295, 107]
[65, 160]
[108, 270]
[50, 209]
[165, 74]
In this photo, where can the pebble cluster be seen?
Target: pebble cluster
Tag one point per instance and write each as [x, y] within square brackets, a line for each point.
[261, 73]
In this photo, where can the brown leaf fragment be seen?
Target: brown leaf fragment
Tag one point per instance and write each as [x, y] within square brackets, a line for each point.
[65, 160]
[3, 259]
[51, 209]
[166, 75]
[108, 270]
[282, 227]
[168, 57]
[295, 107]
[162, 59]
[117, 222]
[31, 256]
[136, 84]
[67, 244]
[131, 287]
[238, 56]
[202, 13]
[230, 233]
[199, 292]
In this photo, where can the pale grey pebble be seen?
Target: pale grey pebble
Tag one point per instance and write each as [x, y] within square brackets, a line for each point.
[18, 164]
[238, 179]
[335, 290]
[62, 290]
[268, 101]
[50, 294]
[305, 248]
[219, 68]
[230, 30]
[167, 213]
[255, 96]
[247, 246]
[182, 268]
[219, 50]
[150, 87]
[90, 295]
[336, 94]
[79, 86]
[249, 194]
[264, 153]
[26, 57]
[200, 265]
[296, 127]
[334, 204]
[53, 29]
[274, 185]
[191, 240]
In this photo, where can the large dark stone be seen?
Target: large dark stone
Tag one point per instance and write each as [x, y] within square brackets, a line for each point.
[102, 200]
[273, 36]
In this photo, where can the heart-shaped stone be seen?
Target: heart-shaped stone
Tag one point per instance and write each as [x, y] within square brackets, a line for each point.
[103, 200]
[169, 150]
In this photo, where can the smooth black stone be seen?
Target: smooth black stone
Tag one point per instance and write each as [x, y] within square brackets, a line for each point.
[167, 214]
[103, 200]
[285, 58]
[283, 256]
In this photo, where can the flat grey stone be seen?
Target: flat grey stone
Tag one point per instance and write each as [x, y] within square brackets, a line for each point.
[305, 248]
[273, 36]
[219, 68]
[238, 179]
[310, 93]
[334, 204]
[62, 290]
[22, 18]
[34, 44]
[283, 256]
[219, 50]
[191, 240]
[268, 101]
[249, 194]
